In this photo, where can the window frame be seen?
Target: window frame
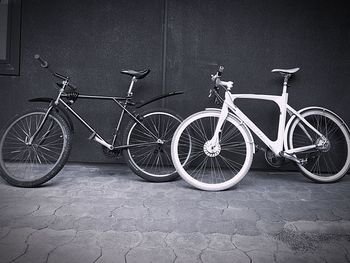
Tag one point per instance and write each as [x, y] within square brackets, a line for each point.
[11, 65]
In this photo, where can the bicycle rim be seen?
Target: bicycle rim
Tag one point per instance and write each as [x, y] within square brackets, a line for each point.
[217, 168]
[327, 164]
[26, 162]
[154, 158]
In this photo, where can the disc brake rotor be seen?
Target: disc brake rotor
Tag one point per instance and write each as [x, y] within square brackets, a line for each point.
[211, 150]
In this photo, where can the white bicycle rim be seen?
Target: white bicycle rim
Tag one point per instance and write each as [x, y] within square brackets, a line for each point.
[207, 186]
[336, 120]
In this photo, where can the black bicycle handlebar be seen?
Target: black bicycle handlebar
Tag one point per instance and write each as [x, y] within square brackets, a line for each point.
[45, 64]
[218, 74]
[60, 76]
[221, 69]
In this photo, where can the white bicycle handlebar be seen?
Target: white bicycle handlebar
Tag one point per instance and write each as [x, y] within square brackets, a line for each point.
[216, 78]
[227, 84]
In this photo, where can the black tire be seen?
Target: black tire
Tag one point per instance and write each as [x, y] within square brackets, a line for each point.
[52, 129]
[133, 134]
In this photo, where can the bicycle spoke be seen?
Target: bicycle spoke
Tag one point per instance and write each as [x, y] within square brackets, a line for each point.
[26, 162]
[216, 166]
[328, 162]
[155, 160]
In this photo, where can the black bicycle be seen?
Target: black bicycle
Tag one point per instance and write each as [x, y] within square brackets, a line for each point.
[36, 144]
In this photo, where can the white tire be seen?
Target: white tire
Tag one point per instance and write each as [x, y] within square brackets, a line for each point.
[330, 163]
[220, 169]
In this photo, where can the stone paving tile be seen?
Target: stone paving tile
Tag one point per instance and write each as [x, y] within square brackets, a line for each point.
[42, 243]
[290, 257]
[187, 255]
[105, 213]
[261, 256]
[74, 253]
[234, 255]
[220, 242]
[254, 243]
[148, 255]
[14, 244]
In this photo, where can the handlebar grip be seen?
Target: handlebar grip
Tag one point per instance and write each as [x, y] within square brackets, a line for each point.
[221, 69]
[43, 63]
[60, 76]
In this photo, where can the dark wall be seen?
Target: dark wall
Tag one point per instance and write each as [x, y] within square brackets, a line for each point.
[92, 40]
[250, 38]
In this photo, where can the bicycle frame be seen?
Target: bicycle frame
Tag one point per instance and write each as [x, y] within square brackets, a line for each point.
[122, 102]
[277, 145]
[95, 136]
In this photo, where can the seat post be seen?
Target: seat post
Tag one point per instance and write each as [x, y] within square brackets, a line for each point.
[133, 80]
[285, 82]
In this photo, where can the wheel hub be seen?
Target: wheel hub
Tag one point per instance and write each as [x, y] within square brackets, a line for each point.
[211, 150]
[27, 141]
[323, 144]
[160, 141]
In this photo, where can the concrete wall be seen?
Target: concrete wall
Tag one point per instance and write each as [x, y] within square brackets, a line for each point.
[183, 42]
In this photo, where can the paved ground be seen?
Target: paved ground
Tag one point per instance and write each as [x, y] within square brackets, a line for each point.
[106, 214]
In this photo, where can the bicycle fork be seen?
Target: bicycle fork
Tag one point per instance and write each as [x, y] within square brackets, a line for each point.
[214, 141]
[31, 139]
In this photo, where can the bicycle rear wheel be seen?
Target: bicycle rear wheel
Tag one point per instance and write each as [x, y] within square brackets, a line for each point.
[151, 160]
[212, 167]
[28, 164]
[327, 163]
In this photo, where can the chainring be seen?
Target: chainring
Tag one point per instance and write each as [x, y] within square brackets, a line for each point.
[111, 153]
[273, 160]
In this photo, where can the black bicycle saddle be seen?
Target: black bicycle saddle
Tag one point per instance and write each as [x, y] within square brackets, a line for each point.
[139, 74]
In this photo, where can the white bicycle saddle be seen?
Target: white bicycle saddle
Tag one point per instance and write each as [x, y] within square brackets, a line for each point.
[290, 71]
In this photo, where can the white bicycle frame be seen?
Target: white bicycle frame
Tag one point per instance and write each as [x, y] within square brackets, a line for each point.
[277, 145]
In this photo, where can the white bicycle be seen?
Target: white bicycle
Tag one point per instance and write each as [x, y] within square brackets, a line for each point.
[221, 144]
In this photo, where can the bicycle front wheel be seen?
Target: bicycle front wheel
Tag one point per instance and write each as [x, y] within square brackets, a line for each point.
[212, 167]
[27, 163]
[330, 161]
[149, 152]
